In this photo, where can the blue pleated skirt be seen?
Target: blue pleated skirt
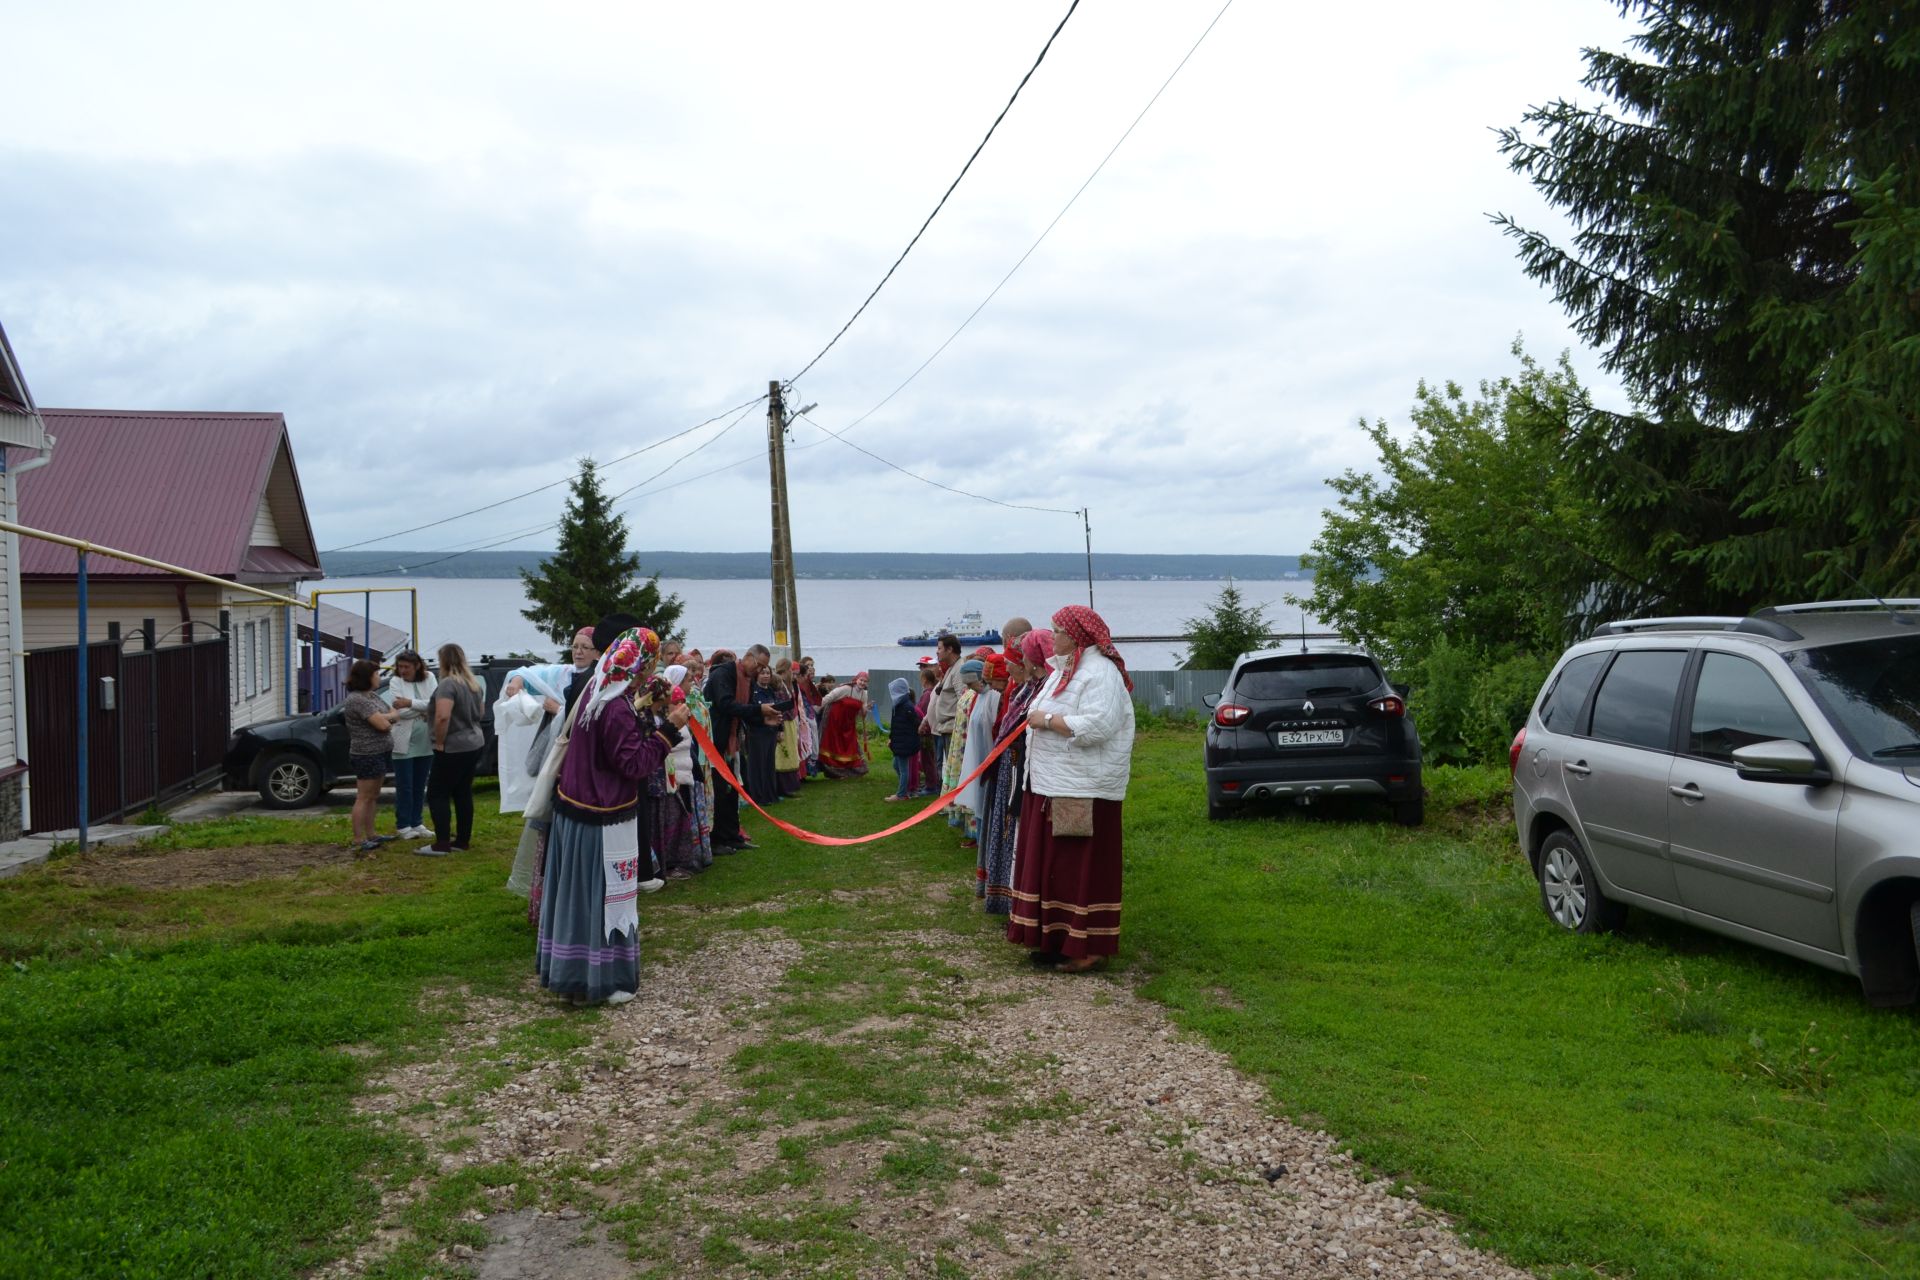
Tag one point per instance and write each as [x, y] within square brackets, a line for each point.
[576, 957]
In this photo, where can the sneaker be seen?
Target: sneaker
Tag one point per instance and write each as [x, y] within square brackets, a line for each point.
[654, 885]
[417, 832]
[620, 997]
[386, 839]
[370, 846]
[433, 850]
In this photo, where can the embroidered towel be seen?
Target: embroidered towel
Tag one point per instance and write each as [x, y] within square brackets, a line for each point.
[620, 857]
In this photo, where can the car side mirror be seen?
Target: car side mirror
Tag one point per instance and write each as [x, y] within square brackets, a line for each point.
[1403, 690]
[1210, 700]
[1781, 760]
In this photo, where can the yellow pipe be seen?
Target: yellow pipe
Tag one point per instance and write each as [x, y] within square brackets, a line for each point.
[95, 549]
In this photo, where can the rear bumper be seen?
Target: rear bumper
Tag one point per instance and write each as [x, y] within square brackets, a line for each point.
[1313, 780]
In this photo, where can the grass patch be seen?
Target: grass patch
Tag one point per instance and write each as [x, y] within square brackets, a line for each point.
[1660, 1103]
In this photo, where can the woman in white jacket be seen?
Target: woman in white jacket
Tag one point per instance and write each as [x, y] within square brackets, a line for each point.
[1066, 880]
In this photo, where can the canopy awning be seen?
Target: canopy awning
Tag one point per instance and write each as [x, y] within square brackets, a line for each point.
[337, 625]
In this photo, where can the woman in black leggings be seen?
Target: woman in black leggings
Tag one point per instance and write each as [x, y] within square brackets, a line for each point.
[458, 705]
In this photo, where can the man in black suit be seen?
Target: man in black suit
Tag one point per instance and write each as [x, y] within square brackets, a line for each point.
[728, 686]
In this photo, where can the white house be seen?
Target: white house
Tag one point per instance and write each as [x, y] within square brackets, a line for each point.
[24, 444]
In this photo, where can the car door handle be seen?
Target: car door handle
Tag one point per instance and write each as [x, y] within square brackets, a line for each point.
[1688, 792]
[1579, 767]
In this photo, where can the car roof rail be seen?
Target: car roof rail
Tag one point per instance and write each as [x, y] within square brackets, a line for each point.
[1702, 622]
[1768, 627]
[1835, 606]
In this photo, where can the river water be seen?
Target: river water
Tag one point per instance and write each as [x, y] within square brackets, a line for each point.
[847, 625]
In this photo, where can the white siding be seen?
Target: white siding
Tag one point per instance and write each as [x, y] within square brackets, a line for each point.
[272, 680]
[9, 741]
[49, 609]
[266, 532]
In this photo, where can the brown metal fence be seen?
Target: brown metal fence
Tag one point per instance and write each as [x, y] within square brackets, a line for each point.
[165, 734]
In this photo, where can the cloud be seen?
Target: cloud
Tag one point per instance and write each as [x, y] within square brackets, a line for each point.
[460, 248]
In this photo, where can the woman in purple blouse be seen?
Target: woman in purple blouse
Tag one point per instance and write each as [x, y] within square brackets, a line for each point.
[597, 856]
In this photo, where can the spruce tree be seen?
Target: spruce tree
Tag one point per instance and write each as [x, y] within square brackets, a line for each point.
[592, 574]
[1231, 626]
[1747, 258]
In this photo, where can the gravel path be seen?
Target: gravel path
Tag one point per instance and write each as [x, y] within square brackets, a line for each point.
[918, 1103]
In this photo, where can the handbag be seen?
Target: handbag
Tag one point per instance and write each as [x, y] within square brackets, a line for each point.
[1071, 816]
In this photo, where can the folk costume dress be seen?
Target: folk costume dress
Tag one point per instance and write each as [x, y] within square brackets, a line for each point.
[841, 755]
[950, 774]
[676, 841]
[997, 822]
[589, 944]
[982, 718]
[1066, 889]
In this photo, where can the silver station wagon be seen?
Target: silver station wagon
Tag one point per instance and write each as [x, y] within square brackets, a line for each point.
[1759, 777]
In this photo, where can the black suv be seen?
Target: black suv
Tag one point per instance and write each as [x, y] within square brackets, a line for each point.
[293, 762]
[1312, 723]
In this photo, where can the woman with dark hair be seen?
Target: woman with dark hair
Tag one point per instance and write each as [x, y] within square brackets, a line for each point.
[369, 749]
[458, 707]
[763, 740]
[1066, 874]
[411, 694]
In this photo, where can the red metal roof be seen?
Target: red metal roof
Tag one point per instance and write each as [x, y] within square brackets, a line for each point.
[179, 487]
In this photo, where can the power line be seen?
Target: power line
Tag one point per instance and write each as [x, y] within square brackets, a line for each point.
[454, 553]
[1017, 506]
[569, 479]
[838, 435]
[943, 199]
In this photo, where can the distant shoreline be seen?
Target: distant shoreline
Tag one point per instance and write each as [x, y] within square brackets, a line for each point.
[841, 565]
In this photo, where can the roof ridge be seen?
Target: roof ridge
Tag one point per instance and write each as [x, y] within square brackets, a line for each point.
[261, 414]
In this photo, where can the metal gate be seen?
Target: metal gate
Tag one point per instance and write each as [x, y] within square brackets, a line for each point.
[165, 733]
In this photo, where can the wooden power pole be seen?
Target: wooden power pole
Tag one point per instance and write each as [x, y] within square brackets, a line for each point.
[786, 598]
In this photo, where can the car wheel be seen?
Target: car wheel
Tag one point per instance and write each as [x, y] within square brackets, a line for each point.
[289, 780]
[1569, 891]
[1410, 813]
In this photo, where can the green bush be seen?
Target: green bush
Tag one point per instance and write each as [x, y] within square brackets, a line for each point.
[1470, 700]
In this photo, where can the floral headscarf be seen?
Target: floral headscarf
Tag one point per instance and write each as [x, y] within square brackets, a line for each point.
[1089, 631]
[627, 657]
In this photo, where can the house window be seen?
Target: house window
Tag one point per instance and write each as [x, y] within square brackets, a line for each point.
[247, 667]
[233, 665]
[265, 677]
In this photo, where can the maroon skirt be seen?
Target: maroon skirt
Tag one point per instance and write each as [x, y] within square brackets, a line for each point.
[1066, 889]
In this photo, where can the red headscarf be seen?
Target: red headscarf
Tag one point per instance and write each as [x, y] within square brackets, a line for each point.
[1089, 631]
[996, 666]
[1036, 651]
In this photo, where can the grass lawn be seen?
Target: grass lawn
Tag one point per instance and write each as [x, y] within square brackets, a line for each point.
[178, 1064]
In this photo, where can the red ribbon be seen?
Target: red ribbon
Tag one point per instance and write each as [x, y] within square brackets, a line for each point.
[712, 753]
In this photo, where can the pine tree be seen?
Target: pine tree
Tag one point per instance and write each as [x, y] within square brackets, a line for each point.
[1747, 257]
[1230, 627]
[592, 574]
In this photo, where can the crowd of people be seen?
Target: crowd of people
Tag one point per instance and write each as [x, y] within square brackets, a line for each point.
[620, 795]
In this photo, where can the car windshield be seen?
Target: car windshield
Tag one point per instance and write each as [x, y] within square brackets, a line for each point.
[1871, 690]
[1309, 675]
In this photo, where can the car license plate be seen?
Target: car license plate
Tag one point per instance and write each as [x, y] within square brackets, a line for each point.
[1309, 737]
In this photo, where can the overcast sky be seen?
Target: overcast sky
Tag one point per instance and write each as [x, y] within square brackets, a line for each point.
[459, 245]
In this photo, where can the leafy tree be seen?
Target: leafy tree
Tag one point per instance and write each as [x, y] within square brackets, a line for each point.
[1230, 627]
[592, 574]
[1470, 558]
[1747, 258]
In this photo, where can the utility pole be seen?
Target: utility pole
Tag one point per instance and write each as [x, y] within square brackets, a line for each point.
[1086, 522]
[777, 486]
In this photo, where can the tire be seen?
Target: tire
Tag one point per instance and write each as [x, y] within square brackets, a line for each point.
[1410, 813]
[290, 780]
[1569, 892]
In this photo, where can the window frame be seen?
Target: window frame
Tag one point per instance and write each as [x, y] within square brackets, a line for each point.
[1582, 714]
[1691, 689]
[1682, 696]
[263, 666]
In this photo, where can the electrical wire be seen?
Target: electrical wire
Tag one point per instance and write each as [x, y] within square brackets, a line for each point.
[1017, 506]
[943, 199]
[1030, 248]
[433, 524]
[454, 553]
